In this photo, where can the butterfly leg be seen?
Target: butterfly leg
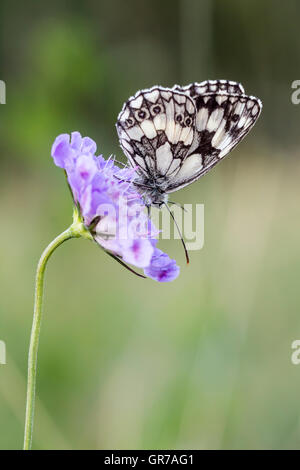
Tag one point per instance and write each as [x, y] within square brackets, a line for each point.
[180, 234]
[177, 204]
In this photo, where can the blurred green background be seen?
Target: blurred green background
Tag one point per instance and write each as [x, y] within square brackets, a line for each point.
[203, 362]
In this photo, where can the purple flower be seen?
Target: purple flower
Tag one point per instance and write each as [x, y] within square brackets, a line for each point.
[110, 206]
[162, 268]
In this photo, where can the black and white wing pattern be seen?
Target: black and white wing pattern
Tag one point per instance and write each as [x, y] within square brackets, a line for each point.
[175, 136]
[156, 128]
[211, 86]
[224, 116]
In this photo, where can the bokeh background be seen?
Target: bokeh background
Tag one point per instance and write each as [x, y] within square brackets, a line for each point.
[201, 363]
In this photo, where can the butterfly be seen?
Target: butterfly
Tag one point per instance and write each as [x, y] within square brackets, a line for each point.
[174, 136]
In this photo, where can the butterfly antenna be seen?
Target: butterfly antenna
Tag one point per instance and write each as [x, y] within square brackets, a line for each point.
[180, 234]
[122, 263]
[178, 205]
[116, 258]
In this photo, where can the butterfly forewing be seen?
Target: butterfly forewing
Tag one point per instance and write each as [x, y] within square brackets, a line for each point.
[156, 130]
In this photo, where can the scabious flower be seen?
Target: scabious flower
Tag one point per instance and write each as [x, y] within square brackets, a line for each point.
[110, 206]
[109, 210]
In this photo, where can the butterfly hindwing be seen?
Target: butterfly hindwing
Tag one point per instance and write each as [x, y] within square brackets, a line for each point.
[222, 121]
[211, 86]
[156, 129]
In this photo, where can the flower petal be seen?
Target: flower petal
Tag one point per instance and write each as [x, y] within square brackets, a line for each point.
[137, 252]
[61, 151]
[162, 268]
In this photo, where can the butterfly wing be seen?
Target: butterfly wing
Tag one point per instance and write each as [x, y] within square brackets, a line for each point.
[156, 131]
[211, 86]
[223, 119]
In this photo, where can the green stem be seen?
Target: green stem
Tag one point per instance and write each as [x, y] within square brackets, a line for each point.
[76, 230]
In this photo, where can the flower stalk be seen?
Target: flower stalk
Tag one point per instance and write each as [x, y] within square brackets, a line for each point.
[76, 230]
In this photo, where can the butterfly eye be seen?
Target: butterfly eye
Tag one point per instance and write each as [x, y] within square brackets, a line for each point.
[179, 117]
[156, 109]
[188, 121]
[129, 122]
[142, 114]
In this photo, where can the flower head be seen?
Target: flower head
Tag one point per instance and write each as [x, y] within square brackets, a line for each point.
[111, 207]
